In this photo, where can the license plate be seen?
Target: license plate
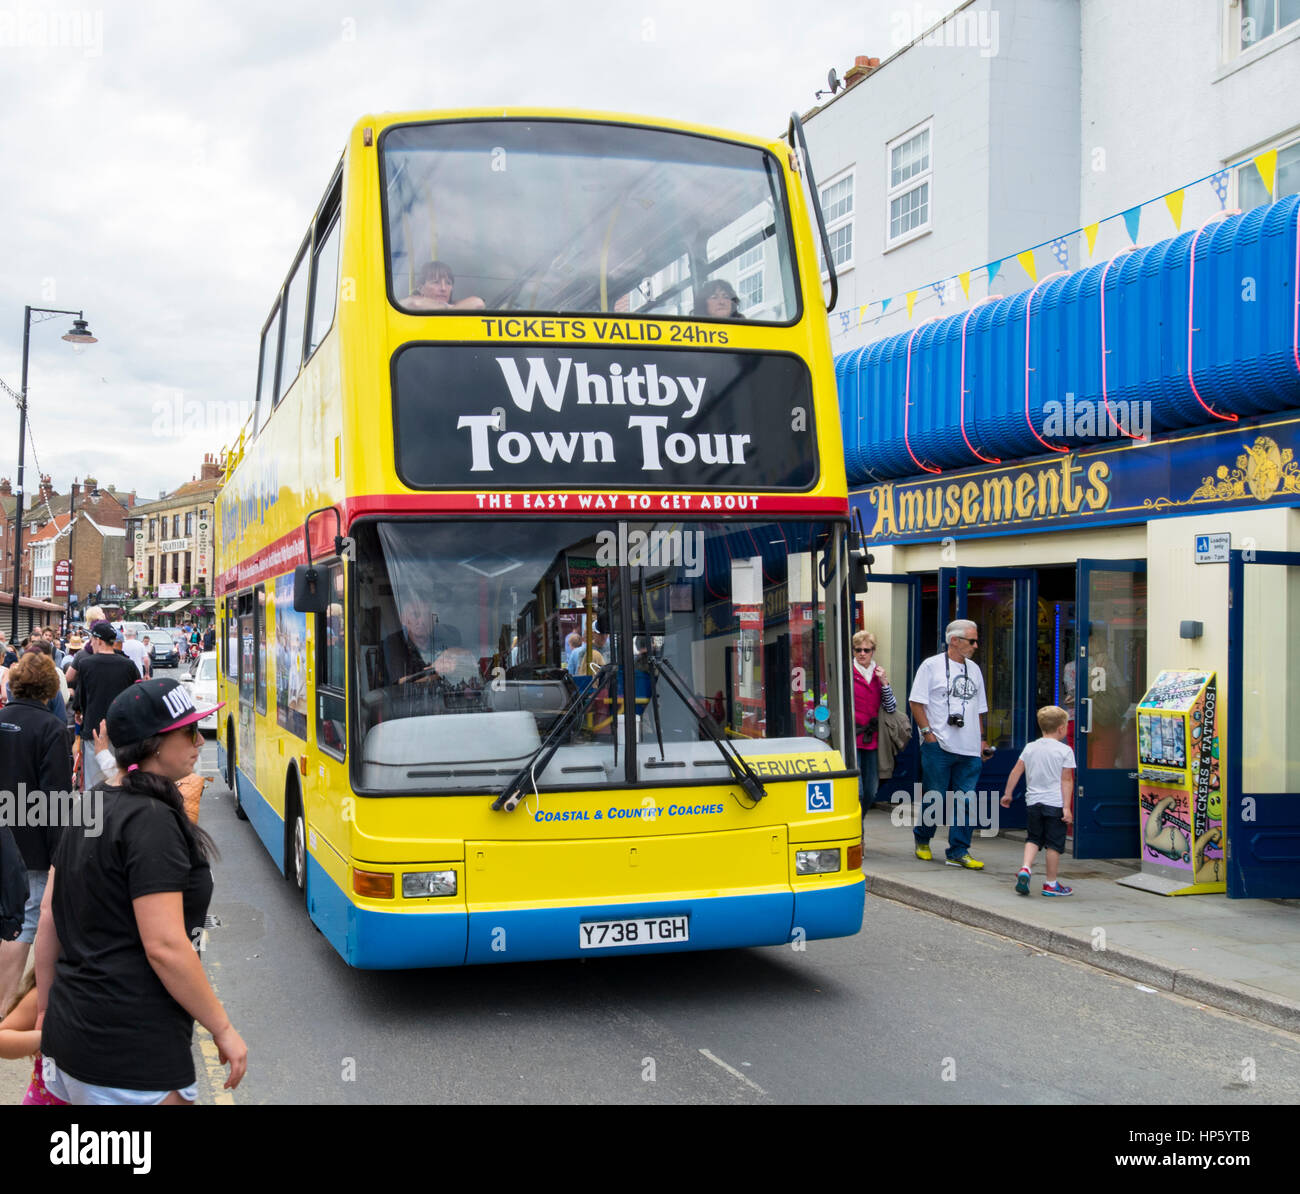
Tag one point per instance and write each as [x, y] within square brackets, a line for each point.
[607, 934]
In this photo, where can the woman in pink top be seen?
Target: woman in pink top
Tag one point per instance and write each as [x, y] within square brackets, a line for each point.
[871, 695]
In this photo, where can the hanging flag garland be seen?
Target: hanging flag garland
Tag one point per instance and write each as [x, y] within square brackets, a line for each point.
[1264, 163]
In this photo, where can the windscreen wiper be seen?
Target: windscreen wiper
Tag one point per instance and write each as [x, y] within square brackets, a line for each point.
[744, 775]
[519, 787]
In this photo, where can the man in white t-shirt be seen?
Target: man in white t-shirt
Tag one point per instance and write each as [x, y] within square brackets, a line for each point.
[948, 703]
[1048, 767]
[134, 649]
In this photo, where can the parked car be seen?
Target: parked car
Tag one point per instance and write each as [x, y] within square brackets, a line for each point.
[203, 687]
[165, 651]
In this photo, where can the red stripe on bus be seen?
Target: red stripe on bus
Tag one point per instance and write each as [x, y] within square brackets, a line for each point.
[287, 551]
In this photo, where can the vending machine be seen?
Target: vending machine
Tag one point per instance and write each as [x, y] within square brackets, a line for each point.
[1180, 804]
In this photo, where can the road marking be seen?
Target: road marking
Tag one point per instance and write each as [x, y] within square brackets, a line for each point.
[735, 1073]
[216, 1071]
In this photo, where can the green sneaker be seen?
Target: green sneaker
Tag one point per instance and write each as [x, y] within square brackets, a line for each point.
[923, 852]
[1022, 883]
[971, 864]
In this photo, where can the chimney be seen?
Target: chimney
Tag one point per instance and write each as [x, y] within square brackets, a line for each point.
[5, 488]
[75, 492]
[91, 483]
[46, 488]
[861, 68]
[211, 470]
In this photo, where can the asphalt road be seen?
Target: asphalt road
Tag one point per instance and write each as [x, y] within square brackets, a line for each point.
[915, 1009]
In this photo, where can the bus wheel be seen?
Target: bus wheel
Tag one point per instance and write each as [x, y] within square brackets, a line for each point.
[231, 777]
[296, 868]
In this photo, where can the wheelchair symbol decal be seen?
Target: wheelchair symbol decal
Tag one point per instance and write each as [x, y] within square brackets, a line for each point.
[820, 797]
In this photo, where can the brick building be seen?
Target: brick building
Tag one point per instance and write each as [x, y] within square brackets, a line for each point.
[171, 551]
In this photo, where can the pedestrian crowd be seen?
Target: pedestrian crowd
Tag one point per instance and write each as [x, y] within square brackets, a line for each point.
[949, 705]
[105, 874]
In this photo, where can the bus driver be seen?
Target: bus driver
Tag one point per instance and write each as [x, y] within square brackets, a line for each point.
[424, 650]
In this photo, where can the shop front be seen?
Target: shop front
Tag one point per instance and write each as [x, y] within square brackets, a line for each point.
[1090, 572]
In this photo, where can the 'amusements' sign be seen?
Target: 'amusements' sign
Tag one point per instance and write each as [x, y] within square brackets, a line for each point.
[577, 417]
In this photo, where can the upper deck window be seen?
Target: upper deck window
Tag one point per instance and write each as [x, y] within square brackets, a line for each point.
[551, 216]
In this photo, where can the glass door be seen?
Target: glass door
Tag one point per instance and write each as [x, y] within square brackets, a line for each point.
[891, 610]
[1108, 680]
[1001, 602]
[1262, 748]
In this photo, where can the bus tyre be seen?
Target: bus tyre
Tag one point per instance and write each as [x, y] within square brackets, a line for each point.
[232, 781]
[297, 868]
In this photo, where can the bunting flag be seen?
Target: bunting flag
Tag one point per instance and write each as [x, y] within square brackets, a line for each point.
[1132, 217]
[1220, 184]
[1174, 201]
[1266, 164]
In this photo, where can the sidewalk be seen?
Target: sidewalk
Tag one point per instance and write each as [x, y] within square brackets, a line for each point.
[1239, 955]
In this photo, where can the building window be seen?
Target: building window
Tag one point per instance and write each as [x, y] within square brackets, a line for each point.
[837, 211]
[187, 569]
[189, 522]
[149, 583]
[750, 290]
[1263, 18]
[153, 529]
[176, 526]
[909, 198]
[1250, 187]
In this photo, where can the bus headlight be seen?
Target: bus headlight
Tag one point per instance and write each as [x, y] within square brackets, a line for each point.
[816, 862]
[418, 884]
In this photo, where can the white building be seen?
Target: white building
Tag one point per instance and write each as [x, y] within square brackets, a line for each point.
[1005, 126]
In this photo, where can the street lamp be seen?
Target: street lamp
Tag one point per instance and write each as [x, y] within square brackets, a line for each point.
[79, 333]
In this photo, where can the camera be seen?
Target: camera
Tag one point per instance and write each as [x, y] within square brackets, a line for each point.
[956, 719]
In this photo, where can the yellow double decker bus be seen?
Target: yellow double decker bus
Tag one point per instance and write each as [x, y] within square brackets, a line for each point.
[533, 564]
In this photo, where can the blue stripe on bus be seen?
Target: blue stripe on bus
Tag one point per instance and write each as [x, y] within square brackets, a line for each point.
[375, 940]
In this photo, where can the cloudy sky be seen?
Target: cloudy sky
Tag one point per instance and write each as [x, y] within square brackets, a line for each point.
[162, 162]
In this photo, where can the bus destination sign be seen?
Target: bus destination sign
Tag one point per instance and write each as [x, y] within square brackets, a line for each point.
[579, 417]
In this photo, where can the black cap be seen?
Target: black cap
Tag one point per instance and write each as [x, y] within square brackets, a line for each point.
[151, 707]
[104, 631]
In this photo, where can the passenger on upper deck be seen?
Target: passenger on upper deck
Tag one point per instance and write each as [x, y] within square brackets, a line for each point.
[718, 301]
[434, 283]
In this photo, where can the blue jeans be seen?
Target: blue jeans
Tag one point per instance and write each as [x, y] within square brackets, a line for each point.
[944, 772]
[869, 783]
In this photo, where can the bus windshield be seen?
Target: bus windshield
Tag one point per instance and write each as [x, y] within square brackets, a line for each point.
[557, 216]
[473, 639]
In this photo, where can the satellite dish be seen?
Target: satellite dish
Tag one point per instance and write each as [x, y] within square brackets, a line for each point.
[833, 81]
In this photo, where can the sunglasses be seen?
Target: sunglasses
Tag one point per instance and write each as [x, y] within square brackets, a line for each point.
[863, 650]
[974, 642]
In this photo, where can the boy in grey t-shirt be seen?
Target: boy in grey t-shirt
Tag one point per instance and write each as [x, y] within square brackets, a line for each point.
[1048, 767]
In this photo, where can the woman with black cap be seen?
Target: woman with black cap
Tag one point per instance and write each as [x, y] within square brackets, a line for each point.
[117, 965]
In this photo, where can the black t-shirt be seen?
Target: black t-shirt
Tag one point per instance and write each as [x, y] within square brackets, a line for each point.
[110, 1020]
[99, 679]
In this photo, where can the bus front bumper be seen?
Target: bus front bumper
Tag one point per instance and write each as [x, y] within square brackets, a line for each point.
[370, 939]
